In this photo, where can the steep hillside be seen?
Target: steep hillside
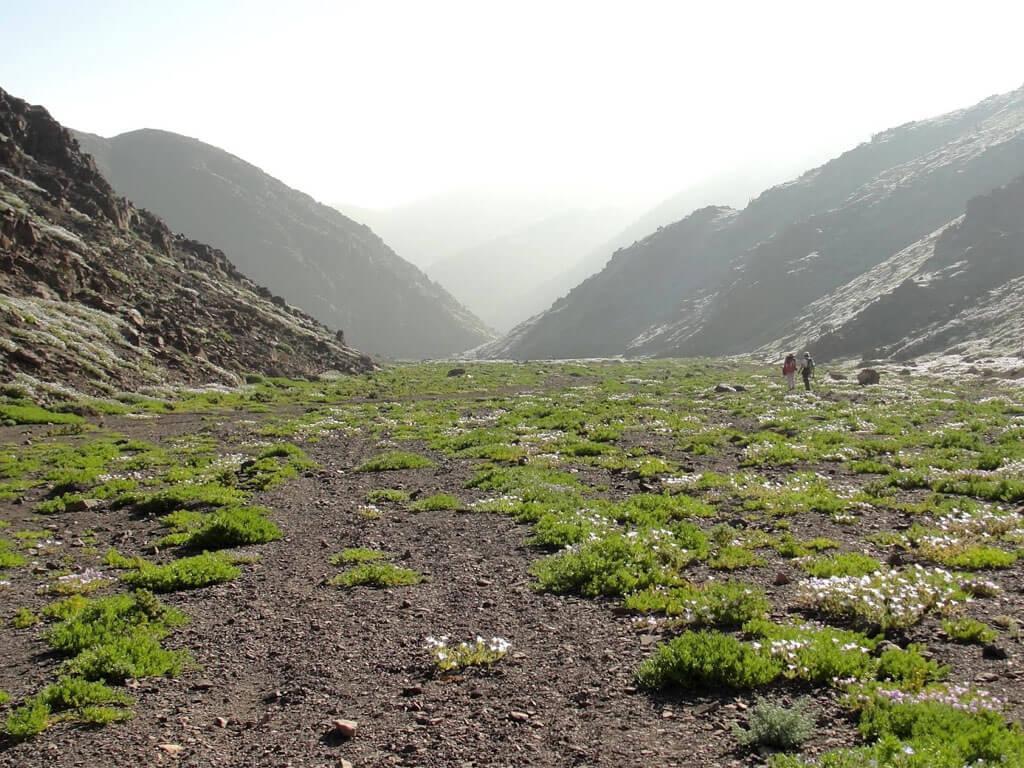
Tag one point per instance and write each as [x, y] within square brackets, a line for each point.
[334, 268]
[713, 285]
[513, 277]
[958, 288]
[99, 296]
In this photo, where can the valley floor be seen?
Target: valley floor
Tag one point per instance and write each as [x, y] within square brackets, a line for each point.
[280, 652]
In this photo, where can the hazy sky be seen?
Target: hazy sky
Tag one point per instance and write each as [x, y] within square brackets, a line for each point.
[380, 102]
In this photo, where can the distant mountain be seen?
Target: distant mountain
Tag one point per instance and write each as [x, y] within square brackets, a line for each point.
[438, 227]
[722, 281]
[511, 278]
[98, 296]
[334, 268]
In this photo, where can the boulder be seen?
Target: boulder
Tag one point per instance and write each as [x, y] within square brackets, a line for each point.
[456, 372]
[724, 388]
[868, 376]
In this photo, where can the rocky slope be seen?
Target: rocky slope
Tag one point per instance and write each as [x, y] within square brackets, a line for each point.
[724, 281]
[100, 296]
[958, 289]
[334, 268]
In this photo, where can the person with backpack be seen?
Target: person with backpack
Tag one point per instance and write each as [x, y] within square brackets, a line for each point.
[807, 370]
[789, 371]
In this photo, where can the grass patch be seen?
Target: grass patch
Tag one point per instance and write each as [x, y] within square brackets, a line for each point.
[437, 503]
[356, 555]
[391, 495]
[393, 461]
[377, 575]
[186, 573]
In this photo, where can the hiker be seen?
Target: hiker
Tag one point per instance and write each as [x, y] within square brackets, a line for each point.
[807, 370]
[789, 371]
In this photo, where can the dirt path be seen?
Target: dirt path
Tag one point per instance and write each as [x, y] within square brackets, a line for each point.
[283, 654]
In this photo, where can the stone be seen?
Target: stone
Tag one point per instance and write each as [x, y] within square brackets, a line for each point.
[456, 372]
[994, 652]
[517, 716]
[346, 729]
[724, 388]
[84, 505]
[836, 376]
[781, 579]
[868, 376]
[220, 722]
[171, 749]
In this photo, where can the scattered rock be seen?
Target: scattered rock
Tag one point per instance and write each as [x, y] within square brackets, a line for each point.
[220, 722]
[517, 716]
[836, 376]
[456, 372]
[83, 505]
[346, 729]
[994, 652]
[868, 376]
[724, 388]
[781, 579]
[171, 749]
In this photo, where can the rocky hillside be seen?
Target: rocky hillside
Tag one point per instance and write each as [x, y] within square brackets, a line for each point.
[723, 281]
[333, 267]
[99, 296]
[959, 289]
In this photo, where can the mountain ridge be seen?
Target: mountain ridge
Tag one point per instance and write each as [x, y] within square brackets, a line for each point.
[101, 296]
[698, 288]
[337, 269]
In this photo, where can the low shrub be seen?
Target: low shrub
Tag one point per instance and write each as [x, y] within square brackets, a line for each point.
[778, 727]
[714, 604]
[969, 631]
[480, 653]
[356, 555]
[392, 495]
[707, 659]
[395, 460]
[185, 573]
[841, 564]
[377, 575]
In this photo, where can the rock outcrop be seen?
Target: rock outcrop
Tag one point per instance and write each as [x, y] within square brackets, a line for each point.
[97, 295]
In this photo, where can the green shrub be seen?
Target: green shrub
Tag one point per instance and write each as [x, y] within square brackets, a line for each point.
[841, 564]
[138, 654]
[778, 727]
[186, 573]
[713, 604]
[357, 555]
[33, 414]
[707, 660]
[614, 565]
[182, 497]
[436, 503]
[24, 618]
[820, 655]
[909, 668]
[28, 720]
[731, 558]
[969, 557]
[8, 557]
[233, 527]
[395, 460]
[85, 623]
[377, 575]
[969, 631]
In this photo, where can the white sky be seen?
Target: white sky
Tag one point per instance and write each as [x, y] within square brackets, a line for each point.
[377, 103]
